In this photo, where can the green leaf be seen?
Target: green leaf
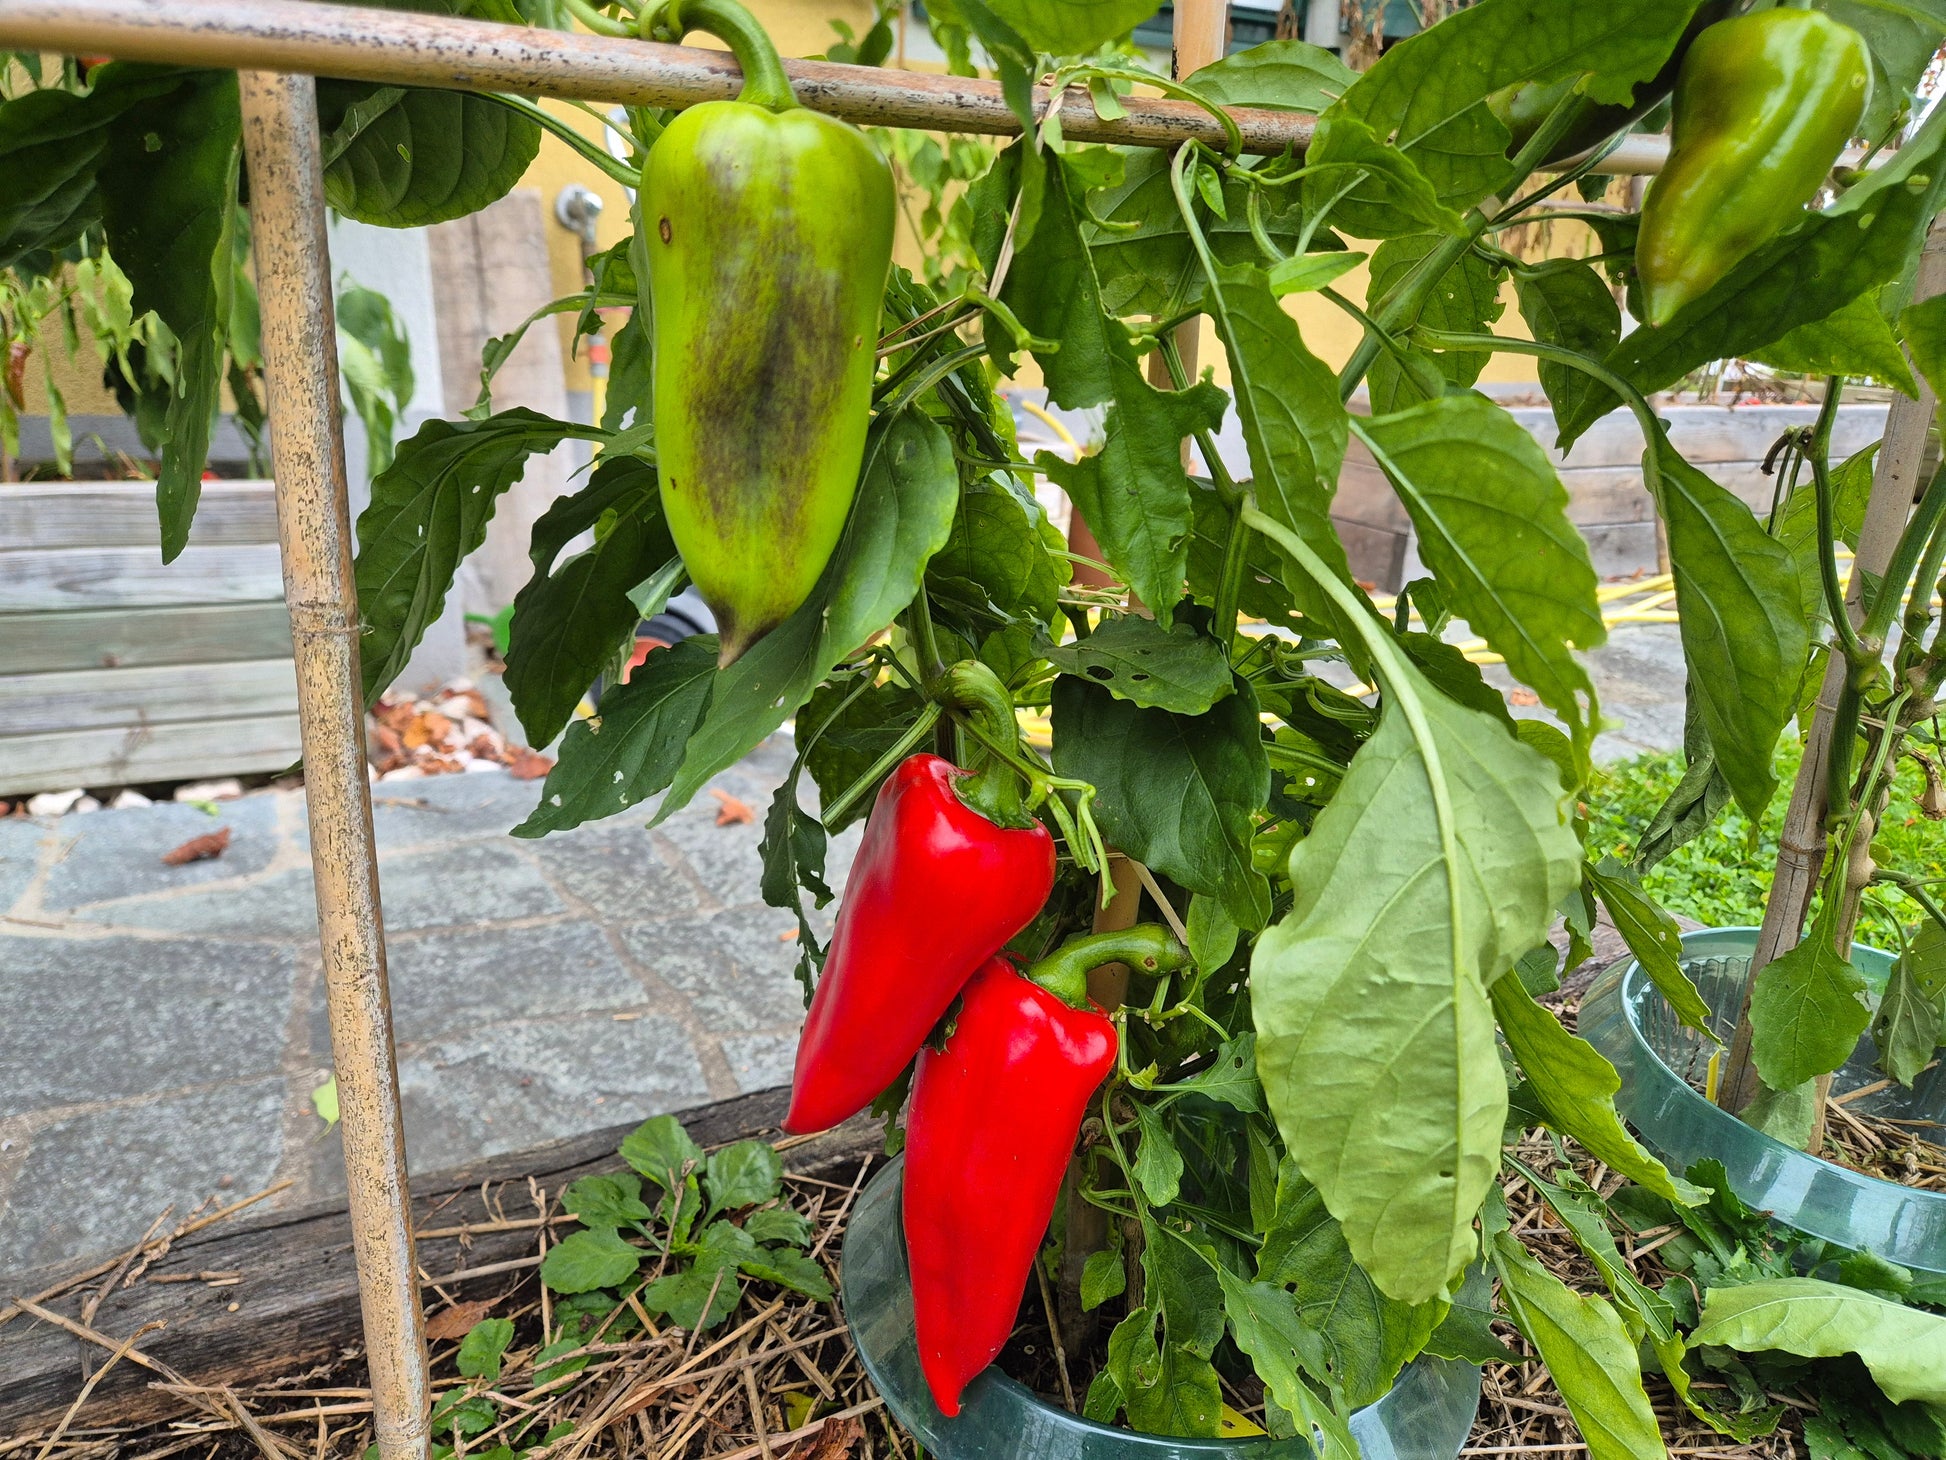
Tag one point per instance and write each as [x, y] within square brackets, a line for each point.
[850, 739]
[1293, 422]
[1180, 669]
[746, 1174]
[1279, 75]
[1428, 92]
[1808, 1011]
[1492, 523]
[1790, 1116]
[1466, 1333]
[1854, 339]
[1588, 1355]
[632, 749]
[662, 1151]
[1301, 273]
[1072, 27]
[1586, 1216]
[1177, 792]
[1653, 937]
[1923, 326]
[1907, 1028]
[1102, 1277]
[1368, 1337]
[568, 621]
[1374, 1037]
[901, 516]
[1693, 806]
[1904, 1348]
[703, 1296]
[1280, 1345]
[1744, 634]
[1805, 274]
[607, 1200]
[1183, 1397]
[1465, 301]
[1212, 933]
[1578, 1088]
[1379, 191]
[1158, 1164]
[1903, 39]
[778, 1224]
[1230, 1077]
[788, 1268]
[429, 511]
[1565, 303]
[1003, 541]
[584, 1261]
[1052, 290]
[480, 1351]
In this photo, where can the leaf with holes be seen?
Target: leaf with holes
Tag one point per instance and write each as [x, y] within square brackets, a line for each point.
[1180, 668]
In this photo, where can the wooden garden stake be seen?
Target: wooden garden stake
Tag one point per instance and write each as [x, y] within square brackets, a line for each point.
[280, 138]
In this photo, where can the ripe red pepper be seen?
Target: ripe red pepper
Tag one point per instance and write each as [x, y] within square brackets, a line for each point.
[938, 888]
[992, 1124]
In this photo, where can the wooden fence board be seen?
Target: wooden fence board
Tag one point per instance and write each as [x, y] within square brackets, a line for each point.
[125, 755]
[50, 515]
[92, 699]
[135, 577]
[107, 638]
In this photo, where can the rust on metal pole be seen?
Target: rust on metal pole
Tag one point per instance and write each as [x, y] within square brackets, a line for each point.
[408, 48]
[280, 137]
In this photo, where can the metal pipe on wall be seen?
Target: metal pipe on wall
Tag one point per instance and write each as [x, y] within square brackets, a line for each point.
[280, 138]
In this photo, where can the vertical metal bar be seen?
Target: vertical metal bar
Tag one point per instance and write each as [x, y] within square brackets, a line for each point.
[314, 526]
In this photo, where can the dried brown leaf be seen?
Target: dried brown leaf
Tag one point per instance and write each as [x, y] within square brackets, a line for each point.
[730, 811]
[199, 848]
[835, 1441]
[527, 765]
[454, 1322]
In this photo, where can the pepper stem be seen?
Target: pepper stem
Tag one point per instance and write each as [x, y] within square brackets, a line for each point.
[993, 786]
[1147, 946]
[764, 82]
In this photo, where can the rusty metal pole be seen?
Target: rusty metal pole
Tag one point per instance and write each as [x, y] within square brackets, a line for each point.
[280, 136]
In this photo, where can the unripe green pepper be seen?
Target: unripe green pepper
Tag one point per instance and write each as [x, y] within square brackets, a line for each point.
[768, 230]
[1764, 105]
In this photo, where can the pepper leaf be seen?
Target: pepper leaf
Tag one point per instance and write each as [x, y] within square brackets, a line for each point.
[1653, 937]
[1807, 1013]
[1177, 792]
[1908, 1026]
[1268, 1327]
[1072, 27]
[1565, 303]
[1904, 1348]
[1855, 339]
[1180, 669]
[1158, 1164]
[1465, 301]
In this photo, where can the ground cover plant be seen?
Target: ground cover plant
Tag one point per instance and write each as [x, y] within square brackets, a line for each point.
[1330, 911]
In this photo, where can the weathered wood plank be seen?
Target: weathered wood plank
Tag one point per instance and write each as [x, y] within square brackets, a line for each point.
[94, 699]
[52, 515]
[109, 638]
[134, 577]
[298, 1302]
[131, 755]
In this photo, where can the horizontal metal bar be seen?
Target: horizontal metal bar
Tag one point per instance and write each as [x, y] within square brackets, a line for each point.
[409, 49]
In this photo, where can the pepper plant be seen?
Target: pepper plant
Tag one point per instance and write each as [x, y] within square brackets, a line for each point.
[1291, 1168]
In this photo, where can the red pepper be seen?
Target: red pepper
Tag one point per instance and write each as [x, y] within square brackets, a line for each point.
[937, 889]
[992, 1124]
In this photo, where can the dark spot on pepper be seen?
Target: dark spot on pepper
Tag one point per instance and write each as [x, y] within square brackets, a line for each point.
[664, 229]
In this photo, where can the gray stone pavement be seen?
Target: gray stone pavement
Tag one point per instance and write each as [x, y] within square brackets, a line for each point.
[162, 1028]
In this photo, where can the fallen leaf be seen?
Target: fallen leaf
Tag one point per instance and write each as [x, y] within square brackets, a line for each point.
[789, 935]
[1522, 697]
[527, 765]
[199, 848]
[430, 728]
[834, 1441]
[397, 714]
[456, 1321]
[732, 812]
[483, 748]
[391, 750]
[324, 1100]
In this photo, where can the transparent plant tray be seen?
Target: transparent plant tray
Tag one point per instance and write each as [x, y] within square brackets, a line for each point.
[1426, 1416]
[1664, 1068]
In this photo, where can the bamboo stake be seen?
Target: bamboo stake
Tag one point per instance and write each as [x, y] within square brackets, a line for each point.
[280, 134]
[1801, 846]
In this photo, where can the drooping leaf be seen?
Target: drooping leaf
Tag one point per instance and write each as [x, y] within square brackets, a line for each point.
[1466, 300]
[1578, 1086]
[1693, 806]
[1177, 792]
[1854, 339]
[1908, 1027]
[1181, 669]
[1282, 1347]
[1653, 937]
[1904, 1348]
[1183, 1397]
[899, 519]
[569, 620]
[1492, 524]
[1439, 860]
[1744, 634]
[1158, 1164]
[1588, 1354]
[1807, 1012]
[1367, 186]
[1565, 303]
[429, 511]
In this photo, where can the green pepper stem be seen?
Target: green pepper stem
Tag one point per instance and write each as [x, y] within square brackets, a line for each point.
[764, 82]
[993, 787]
[1147, 946]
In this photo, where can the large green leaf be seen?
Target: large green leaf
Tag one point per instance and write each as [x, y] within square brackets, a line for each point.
[1807, 1012]
[1492, 523]
[1803, 275]
[1368, 1337]
[1002, 540]
[1281, 1346]
[1577, 1087]
[1367, 186]
[1176, 792]
[1588, 1353]
[1072, 27]
[631, 750]
[1854, 340]
[1437, 863]
[168, 180]
[1565, 303]
[1912, 1016]
[1183, 1397]
[1181, 669]
[1428, 93]
[1287, 402]
[568, 621]
[1465, 301]
[901, 516]
[1280, 75]
[1904, 1348]
[429, 511]
[1744, 635]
